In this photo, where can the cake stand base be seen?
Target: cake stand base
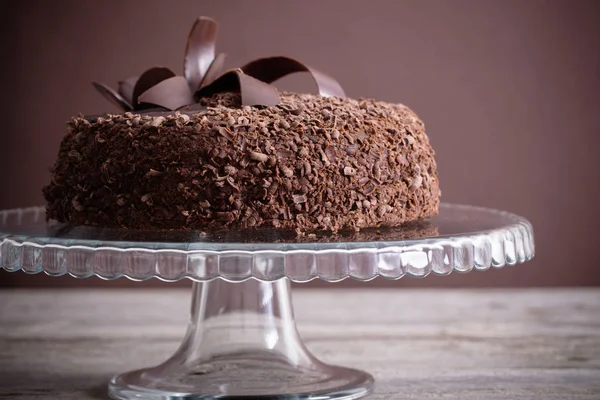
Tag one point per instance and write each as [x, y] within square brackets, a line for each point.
[242, 343]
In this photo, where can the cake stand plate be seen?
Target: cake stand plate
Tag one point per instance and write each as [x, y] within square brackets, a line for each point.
[242, 341]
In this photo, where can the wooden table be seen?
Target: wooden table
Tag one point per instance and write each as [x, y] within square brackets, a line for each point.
[419, 344]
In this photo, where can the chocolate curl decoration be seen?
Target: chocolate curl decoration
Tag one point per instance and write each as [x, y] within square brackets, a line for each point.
[126, 88]
[253, 92]
[270, 69]
[200, 51]
[113, 96]
[160, 86]
[151, 77]
[172, 93]
[213, 71]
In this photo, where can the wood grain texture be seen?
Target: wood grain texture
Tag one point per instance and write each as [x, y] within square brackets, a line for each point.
[419, 344]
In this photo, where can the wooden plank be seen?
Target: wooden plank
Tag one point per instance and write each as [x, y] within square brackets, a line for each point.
[419, 344]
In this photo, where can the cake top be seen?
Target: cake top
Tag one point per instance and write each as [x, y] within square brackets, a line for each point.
[204, 77]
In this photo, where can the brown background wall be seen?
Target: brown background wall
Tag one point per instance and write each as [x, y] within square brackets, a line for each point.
[509, 91]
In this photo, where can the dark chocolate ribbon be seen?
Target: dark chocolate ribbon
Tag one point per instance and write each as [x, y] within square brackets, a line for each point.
[203, 77]
[252, 91]
[273, 68]
[126, 88]
[200, 51]
[113, 96]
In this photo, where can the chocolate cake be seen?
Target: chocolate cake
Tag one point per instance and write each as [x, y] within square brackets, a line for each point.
[213, 151]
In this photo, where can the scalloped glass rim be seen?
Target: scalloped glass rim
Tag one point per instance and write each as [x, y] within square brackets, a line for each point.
[465, 238]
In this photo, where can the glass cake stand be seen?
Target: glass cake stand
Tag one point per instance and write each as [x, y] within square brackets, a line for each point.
[242, 340]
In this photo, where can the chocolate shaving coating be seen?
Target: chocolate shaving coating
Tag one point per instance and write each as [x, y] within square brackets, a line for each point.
[171, 94]
[272, 68]
[113, 96]
[311, 163]
[253, 92]
[200, 51]
[151, 77]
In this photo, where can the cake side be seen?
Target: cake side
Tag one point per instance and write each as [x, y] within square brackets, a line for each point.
[309, 163]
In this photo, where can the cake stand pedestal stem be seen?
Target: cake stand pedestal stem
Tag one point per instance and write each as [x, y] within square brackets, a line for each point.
[242, 341]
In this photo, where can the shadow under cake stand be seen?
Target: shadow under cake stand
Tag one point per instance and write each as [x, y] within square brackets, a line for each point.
[242, 340]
